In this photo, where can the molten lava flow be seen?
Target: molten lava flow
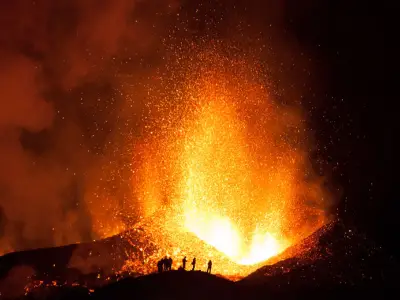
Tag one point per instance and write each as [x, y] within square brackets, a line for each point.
[223, 173]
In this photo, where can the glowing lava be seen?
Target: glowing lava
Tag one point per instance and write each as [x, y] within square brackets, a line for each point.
[219, 185]
[223, 170]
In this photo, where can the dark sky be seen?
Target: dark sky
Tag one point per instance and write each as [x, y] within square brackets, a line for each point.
[348, 39]
[347, 106]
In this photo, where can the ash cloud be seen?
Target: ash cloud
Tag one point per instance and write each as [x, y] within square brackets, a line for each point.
[58, 108]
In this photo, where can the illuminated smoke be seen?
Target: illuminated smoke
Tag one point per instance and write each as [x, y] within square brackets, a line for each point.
[58, 109]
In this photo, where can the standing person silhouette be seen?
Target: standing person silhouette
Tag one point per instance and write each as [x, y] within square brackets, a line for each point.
[165, 263]
[170, 264]
[184, 260]
[209, 266]
[160, 266]
[193, 263]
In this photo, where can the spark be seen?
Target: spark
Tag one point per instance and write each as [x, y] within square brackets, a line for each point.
[220, 173]
[220, 169]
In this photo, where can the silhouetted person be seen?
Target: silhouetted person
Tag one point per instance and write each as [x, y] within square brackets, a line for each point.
[184, 260]
[165, 263]
[209, 266]
[193, 263]
[160, 266]
[170, 263]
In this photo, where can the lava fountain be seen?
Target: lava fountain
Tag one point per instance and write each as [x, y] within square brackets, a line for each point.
[222, 170]
[219, 188]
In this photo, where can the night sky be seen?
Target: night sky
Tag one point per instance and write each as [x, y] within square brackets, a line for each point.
[345, 102]
[354, 122]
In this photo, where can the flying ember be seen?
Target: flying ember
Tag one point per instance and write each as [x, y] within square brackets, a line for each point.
[222, 171]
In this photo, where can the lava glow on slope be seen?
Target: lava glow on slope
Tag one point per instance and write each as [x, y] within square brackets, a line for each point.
[221, 171]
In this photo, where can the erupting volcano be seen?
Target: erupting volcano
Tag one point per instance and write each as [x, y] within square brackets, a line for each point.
[222, 170]
[174, 149]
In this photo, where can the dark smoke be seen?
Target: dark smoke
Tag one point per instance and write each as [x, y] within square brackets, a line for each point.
[59, 104]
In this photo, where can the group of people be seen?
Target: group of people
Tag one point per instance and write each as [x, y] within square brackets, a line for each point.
[165, 264]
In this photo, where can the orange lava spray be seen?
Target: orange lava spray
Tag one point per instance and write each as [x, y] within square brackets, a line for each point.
[224, 170]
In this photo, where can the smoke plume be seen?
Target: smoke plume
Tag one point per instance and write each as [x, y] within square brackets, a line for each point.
[58, 105]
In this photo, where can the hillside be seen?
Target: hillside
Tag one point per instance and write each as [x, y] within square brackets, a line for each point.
[334, 258]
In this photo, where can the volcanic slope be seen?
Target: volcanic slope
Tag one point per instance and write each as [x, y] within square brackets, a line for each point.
[129, 254]
[56, 262]
[133, 252]
[75, 263]
[188, 285]
[334, 257]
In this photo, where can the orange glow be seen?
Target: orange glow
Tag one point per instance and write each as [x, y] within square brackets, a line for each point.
[221, 171]
[219, 186]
